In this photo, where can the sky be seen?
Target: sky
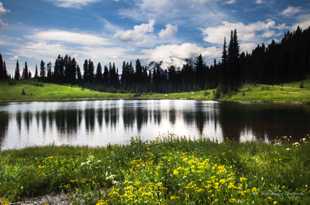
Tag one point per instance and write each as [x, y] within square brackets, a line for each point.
[151, 30]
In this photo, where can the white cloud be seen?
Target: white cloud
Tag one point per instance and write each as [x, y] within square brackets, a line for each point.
[303, 22]
[247, 33]
[2, 9]
[169, 31]
[36, 50]
[73, 3]
[2, 23]
[290, 11]
[140, 33]
[268, 34]
[259, 2]
[230, 1]
[196, 12]
[175, 54]
[71, 37]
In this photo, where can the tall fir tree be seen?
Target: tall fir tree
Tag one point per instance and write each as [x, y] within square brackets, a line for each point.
[36, 75]
[1, 68]
[25, 73]
[17, 72]
[99, 73]
[42, 70]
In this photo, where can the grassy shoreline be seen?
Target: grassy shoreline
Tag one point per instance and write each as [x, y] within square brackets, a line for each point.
[290, 93]
[171, 171]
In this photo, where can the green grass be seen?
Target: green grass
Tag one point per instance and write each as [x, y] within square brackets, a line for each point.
[286, 93]
[34, 91]
[171, 171]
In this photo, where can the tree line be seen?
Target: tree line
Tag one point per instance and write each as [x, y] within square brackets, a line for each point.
[285, 61]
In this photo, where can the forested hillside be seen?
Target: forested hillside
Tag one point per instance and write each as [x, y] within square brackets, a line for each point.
[281, 62]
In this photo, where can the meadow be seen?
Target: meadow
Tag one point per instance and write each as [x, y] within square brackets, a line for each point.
[296, 93]
[165, 171]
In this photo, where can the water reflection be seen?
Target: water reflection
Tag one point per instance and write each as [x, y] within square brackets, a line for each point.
[4, 122]
[103, 122]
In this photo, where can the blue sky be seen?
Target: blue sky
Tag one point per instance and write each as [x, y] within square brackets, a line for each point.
[117, 30]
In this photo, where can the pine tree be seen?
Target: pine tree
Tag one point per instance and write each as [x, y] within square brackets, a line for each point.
[49, 76]
[29, 74]
[42, 70]
[25, 72]
[36, 73]
[1, 68]
[91, 69]
[78, 73]
[17, 72]
[5, 72]
[199, 68]
[99, 72]
[86, 71]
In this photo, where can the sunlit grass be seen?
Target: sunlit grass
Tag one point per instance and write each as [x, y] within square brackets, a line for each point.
[34, 91]
[286, 93]
[171, 171]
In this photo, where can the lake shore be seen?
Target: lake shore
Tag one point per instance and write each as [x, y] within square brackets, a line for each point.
[291, 93]
[168, 170]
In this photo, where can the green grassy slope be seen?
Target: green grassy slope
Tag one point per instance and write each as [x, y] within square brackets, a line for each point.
[286, 93]
[46, 91]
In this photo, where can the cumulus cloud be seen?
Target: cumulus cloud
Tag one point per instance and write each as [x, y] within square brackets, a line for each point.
[303, 22]
[139, 33]
[230, 1]
[2, 9]
[71, 37]
[290, 11]
[169, 31]
[175, 54]
[249, 34]
[36, 49]
[73, 3]
[197, 12]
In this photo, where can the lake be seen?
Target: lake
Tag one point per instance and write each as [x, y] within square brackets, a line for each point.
[98, 123]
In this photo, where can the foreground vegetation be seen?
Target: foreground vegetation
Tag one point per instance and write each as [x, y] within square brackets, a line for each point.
[297, 92]
[171, 171]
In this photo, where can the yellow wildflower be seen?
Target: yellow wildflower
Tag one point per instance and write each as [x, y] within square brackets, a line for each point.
[254, 190]
[173, 197]
[232, 200]
[176, 172]
[243, 179]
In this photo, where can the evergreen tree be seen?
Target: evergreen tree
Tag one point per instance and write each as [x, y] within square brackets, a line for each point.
[5, 72]
[86, 71]
[99, 72]
[49, 76]
[1, 68]
[78, 73]
[29, 74]
[36, 75]
[91, 69]
[17, 72]
[25, 73]
[42, 70]
[200, 72]
[106, 75]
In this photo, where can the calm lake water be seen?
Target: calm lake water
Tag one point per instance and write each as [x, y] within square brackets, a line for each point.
[98, 123]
